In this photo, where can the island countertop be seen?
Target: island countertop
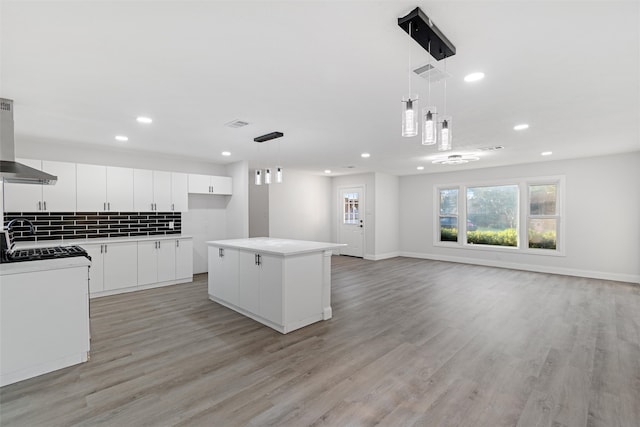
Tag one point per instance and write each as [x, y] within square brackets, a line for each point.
[275, 246]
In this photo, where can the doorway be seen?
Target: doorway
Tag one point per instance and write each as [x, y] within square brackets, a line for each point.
[351, 220]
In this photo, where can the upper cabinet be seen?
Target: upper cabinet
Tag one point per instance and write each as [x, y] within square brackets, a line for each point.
[160, 191]
[60, 197]
[104, 188]
[205, 184]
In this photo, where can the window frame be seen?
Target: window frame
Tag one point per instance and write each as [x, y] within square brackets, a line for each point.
[523, 215]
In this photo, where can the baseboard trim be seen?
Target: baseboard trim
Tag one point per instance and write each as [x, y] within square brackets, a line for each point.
[378, 257]
[603, 275]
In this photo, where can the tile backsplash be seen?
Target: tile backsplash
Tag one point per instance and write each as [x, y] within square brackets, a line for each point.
[87, 225]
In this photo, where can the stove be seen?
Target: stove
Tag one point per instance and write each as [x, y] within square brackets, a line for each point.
[37, 254]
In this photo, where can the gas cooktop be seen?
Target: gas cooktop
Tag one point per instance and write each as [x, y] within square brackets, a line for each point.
[37, 254]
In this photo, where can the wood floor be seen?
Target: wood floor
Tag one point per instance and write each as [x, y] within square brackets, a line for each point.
[412, 342]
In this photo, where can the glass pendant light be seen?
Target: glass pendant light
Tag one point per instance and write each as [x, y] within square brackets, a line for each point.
[258, 177]
[429, 126]
[409, 117]
[279, 175]
[267, 176]
[444, 143]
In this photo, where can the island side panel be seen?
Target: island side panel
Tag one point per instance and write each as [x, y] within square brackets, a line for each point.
[303, 290]
[327, 312]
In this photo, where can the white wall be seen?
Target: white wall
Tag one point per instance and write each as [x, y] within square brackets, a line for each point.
[602, 217]
[206, 220]
[300, 207]
[238, 207]
[258, 208]
[367, 180]
[387, 223]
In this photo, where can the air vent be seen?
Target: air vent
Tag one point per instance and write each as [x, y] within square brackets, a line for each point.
[236, 124]
[428, 71]
[5, 106]
[497, 147]
[348, 167]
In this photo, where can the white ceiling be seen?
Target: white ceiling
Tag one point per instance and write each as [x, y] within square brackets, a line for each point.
[329, 74]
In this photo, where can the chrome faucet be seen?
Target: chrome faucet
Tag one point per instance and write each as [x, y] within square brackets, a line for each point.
[25, 220]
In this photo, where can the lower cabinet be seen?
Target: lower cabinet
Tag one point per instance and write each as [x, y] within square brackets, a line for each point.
[113, 266]
[223, 274]
[260, 285]
[126, 266]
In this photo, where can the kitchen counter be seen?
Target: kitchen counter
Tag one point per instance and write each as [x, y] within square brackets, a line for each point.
[284, 284]
[80, 242]
[42, 265]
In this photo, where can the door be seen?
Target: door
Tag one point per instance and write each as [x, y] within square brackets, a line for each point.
[166, 260]
[23, 198]
[184, 259]
[120, 265]
[96, 271]
[62, 196]
[119, 189]
[179, 192]
[199, 184]
[91, 188]
[162, 191]
[142, 190]
[249, 282]
[351, 220]
[147, 262]
[221, 185]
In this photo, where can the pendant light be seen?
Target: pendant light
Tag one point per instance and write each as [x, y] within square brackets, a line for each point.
[446, 135]
[279, 175]
[409, 108]
[258, 180]
[266, 176]
[429, 117]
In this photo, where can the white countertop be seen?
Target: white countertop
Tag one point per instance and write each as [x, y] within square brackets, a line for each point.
[80, 242]
[283, 247]
[43, 265]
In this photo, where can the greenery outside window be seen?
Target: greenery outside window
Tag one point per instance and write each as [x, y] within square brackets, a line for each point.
[522, 215]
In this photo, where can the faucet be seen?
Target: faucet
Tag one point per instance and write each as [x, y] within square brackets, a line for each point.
[25, 220]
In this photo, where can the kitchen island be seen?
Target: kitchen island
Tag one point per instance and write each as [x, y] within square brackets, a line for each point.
[44, 317]
[282, 283]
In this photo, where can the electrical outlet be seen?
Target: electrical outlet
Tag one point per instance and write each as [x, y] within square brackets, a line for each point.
[171, 225]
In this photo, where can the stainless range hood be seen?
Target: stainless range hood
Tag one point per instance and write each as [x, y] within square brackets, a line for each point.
[10, 170]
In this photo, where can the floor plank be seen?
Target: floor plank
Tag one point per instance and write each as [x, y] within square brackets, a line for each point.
[412, 342]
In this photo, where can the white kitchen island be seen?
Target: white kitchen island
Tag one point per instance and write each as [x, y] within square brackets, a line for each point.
[284, 284]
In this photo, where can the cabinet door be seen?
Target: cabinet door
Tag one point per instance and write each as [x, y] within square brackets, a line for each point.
[166, 260]
[142, 190]
[179, 192]
[120, 265]
[96, 271]
[119, 189]
[60, 197]
[249, 282]
[184, 258]
[222, 185]
[271, 288]
[147, 262]
[23, 198]
[199, 184]
[162, 191]
[91, 188]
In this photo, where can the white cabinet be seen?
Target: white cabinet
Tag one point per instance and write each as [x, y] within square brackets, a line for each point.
[113, 266]
[205, 184]
[104, 188]
[260, 285]
[60, 197]
[160, 191]
[223, 274]
[184, 259]
[156, 261]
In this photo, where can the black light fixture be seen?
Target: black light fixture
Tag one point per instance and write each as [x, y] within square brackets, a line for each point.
[268, 137]
[425, 32]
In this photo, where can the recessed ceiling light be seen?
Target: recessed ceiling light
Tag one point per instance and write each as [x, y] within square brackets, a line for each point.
[473, 77]
[327, 171]
[365, 155]
[420, 168]
[145, 120]
[546, 153]
[226, 153]
[121, 138]
[521, 126]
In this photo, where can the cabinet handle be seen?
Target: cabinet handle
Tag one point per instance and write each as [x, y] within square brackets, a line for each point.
[101, 248]
[105, 248]
[177, 243]
[173, 208]
[158, 245]
[104, 206]
[39, 206]
[155, 206]
[108, 206]
[45, 205]
[221, 252]
[259, 259]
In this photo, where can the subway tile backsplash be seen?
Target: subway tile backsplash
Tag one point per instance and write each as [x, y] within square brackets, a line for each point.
[88, 225]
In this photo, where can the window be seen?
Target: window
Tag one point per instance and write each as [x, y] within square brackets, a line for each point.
[351, 205]
[492, 215]
[523, 215]
[449, 215]
[542, 221]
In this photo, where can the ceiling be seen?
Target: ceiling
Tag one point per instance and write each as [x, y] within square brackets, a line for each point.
[329, 74]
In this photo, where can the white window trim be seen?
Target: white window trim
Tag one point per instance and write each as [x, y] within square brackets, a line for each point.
[523, 184]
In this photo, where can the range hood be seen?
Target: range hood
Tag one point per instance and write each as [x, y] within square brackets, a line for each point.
[10, 170]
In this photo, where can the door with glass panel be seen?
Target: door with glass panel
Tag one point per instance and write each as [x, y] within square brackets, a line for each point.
[351, 220]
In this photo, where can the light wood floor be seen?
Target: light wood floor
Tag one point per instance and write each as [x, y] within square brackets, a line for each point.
[412, 342]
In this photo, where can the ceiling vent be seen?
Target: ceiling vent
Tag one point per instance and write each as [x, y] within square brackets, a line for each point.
[497, 147]
[429, 72]
[236, 124]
